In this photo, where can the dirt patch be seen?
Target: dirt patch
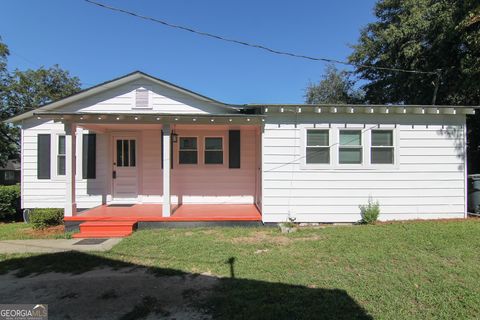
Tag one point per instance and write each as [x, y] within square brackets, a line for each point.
[45, 233]
[112, 294]
[265, 237]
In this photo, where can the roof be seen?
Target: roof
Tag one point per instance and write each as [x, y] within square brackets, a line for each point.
[139, 75]
[114, 83]
[12, 165]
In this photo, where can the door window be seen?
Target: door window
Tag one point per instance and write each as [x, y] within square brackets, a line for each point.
[126, 153]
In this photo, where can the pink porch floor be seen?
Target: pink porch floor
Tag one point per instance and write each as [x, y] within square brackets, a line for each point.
[184, 212]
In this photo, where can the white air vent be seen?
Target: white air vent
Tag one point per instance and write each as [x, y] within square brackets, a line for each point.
[142, 99]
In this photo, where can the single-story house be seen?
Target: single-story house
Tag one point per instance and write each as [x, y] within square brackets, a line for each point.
[141, 149]
[10, 173]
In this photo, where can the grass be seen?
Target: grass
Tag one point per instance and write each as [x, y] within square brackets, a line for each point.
[20, 230]
[411, 270]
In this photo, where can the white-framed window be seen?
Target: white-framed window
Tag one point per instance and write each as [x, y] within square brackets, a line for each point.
[317, 147]
[188, 150]
[382, 150]
[213, 150]
[350, 149]
[61, 158]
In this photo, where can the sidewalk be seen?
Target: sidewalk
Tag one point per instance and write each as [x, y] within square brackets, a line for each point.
[56, 245]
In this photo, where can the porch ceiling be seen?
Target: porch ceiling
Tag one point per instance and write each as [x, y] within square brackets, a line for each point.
[152, 118]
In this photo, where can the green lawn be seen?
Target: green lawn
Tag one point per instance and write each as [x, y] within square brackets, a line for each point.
[393, 271]
[20, 230]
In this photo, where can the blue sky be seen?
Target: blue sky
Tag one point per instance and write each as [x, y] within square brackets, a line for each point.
[97, 45]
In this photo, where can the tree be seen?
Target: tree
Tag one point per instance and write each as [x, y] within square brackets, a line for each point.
[424, 35]
[335, 87]
[22, 91]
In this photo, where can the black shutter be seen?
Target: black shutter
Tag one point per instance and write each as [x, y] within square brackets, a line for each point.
[43, 156]
[171, 149]
[234, 149]
[89, 156]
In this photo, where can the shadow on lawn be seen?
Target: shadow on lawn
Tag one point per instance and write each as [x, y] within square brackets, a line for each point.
[226, 298]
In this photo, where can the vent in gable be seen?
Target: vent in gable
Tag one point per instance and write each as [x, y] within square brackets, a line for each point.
[142, 99]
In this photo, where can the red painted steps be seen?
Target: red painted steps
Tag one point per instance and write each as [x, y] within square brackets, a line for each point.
[105, 229]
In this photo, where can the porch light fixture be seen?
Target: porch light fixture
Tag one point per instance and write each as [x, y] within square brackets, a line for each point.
[81, 118]
[176, 119]
[158, 118]
[212, 120]
[194, 119]
[136, 118]
[174, 137]
[248, 119]
[230, 120]
[118, 118]
[99, 118]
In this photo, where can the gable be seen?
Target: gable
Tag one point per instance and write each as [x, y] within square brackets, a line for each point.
[143, 96]
[138, 93]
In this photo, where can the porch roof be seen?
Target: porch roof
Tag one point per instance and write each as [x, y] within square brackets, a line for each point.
[160, 118]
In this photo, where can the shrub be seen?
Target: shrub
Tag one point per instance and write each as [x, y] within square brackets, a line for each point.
[370, 211]
[9, 201]
[42, 218]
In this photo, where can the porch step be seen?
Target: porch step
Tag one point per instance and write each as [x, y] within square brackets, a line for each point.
[105, 229]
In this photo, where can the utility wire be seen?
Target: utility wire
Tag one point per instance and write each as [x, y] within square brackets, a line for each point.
[252, 45]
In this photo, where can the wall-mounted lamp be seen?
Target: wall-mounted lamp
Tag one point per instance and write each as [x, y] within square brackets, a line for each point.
[174, 137]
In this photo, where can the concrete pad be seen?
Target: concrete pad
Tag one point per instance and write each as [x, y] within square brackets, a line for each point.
[53, 245]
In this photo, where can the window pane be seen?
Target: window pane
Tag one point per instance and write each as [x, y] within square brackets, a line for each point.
[382, 138]
[61, 165]
[213, 157]
[318, 155]
[132, 153]
[213, 143]
[382, 155]
[125, 153]
[350, 138]
[317, 137]
[61, 144]
[350, 155]
[188, 143]
[119, 153]
[187, 157]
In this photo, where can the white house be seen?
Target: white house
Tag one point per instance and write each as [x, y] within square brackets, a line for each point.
[140, 149]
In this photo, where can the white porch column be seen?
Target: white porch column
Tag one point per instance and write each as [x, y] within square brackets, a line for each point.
[70, 169]
[166, 170]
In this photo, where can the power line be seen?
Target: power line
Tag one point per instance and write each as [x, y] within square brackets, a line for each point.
[252, 45]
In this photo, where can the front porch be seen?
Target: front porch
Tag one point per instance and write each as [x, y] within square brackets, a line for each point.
[181, 213]
[107, 221]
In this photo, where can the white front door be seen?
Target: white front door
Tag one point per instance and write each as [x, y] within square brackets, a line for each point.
[125, 176]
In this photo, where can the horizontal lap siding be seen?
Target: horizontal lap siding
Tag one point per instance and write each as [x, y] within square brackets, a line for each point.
[427, 183]
[51, 193]
[216, 183]
[162, 100]
[199, 183]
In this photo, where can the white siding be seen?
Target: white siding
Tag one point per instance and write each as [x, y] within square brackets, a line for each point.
[163, 100]
[427, 182]
[50, 193]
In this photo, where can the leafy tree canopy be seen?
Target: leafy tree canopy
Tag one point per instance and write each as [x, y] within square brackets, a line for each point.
[22, 91]
[422, 35]
[334, 87]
